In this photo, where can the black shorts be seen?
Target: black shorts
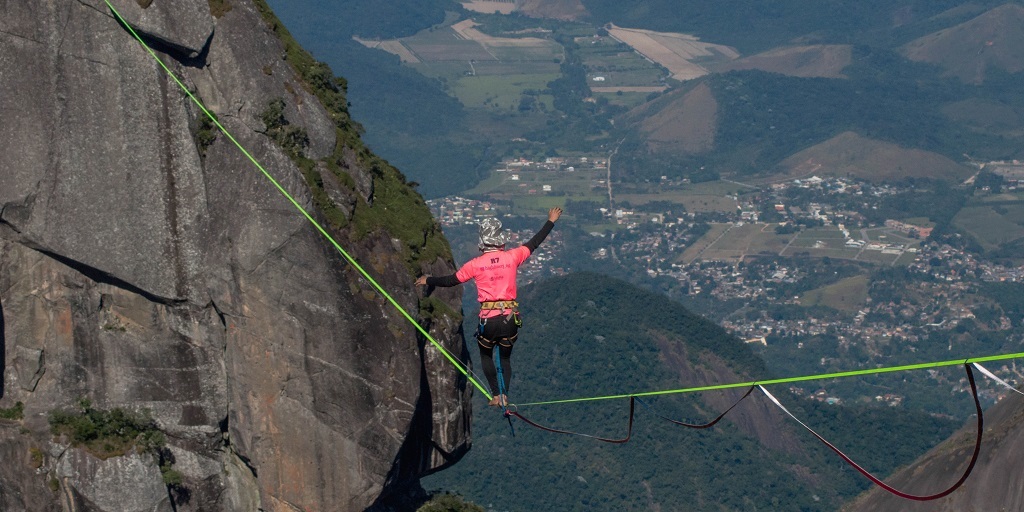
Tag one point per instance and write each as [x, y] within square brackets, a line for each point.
[501, 330]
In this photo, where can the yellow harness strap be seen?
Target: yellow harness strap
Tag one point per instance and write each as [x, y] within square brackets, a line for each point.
[499, 304]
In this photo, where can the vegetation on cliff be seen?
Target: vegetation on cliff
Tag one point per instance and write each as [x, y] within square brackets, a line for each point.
[449, 503]
[114, 432]
[15, 412]
[396, 208]
[107, 433]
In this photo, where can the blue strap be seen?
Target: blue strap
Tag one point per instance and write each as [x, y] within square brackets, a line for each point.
[501, 392]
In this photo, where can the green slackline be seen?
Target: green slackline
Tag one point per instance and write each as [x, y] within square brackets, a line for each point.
[853, 373]
[458, 364]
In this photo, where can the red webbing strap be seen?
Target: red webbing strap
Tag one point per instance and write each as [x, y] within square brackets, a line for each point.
[706, 425]
[883, 485]
[629, 430]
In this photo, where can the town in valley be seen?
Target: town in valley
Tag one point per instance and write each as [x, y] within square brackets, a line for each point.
[799, 268]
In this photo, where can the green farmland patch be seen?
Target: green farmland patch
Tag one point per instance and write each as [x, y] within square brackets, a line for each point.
[626, 78]
[456, 49]
[534, 204]
[734, 242]
[846, 295]
[498, 91]
[878, 257]
[695, 251]
[515, 53]
[696, 203]
[747, 240]
[624, 99]
[524, 189]
[992, 225]
[829, 242]
[609, 58]
[516, 68]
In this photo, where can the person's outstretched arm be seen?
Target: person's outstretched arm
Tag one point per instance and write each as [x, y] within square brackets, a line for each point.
[444, 281]
[553, 215]
[462, 275]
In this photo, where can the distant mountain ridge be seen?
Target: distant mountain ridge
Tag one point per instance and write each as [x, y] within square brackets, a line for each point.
[823, 60]
[811, 71]
[849, 154]
[970, 50]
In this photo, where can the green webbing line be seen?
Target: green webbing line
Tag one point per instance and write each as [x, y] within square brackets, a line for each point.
[853, 373]
[305, 214]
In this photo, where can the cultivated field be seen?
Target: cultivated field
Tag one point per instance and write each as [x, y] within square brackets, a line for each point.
[728, 242]
[482, 71]
[465, 30]
[710, 196]
[500, 91]
[490, 6]
[992, 224]
[679, 53]
[527, 192]
[695, 203]
[734, 242]
[846, 295]
[578, 185]
[694, 252]
[613, 66]
[643, 89]
[455, 49]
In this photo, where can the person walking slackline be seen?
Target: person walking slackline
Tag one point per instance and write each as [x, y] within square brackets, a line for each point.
[495, 275]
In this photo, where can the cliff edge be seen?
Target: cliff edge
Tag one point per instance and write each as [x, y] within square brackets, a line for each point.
[146, 264]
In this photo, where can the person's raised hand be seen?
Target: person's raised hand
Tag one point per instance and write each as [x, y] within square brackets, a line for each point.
[554, 214]
[422, 281]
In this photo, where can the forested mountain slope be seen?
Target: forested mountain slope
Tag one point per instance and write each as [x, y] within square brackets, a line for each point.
[587, 335]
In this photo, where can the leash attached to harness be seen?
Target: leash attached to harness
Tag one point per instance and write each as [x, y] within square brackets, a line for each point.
[503, 398]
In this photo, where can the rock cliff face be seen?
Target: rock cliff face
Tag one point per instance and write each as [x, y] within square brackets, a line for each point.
[994, 484]
[145, 263]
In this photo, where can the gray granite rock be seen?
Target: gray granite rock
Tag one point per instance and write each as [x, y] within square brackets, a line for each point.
[141, 273]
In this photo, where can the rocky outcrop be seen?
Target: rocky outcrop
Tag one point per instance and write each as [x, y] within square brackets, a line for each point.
[144, 266]
[994, 483]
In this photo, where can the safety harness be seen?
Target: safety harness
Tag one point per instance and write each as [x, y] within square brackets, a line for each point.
[500, 304]
[508, 308]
